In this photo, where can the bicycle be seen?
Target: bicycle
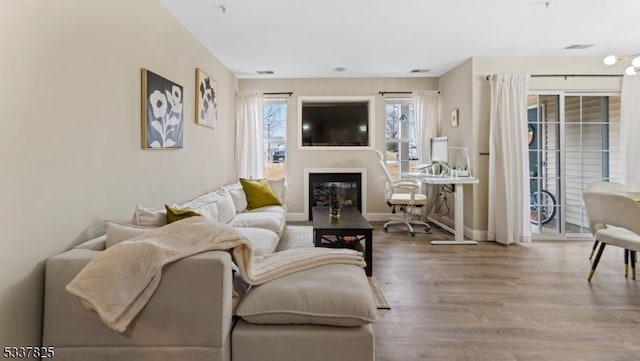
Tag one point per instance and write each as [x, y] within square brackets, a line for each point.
[543, 206]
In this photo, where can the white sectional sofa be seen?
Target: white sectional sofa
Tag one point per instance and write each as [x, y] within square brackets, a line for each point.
[192, 315]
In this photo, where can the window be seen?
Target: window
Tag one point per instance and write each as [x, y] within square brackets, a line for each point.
[275, 130]
[400, 136]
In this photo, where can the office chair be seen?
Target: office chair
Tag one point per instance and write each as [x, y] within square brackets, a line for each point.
[405, 195]
[621, 215]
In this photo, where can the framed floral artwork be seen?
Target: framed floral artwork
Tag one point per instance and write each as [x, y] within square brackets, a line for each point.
[206, 100]
[162, 112]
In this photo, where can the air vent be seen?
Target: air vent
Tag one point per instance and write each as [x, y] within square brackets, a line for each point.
[579, 46]
[420, 70]
[265, 72]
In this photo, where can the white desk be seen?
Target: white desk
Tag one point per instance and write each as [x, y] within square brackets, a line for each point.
[459, 203]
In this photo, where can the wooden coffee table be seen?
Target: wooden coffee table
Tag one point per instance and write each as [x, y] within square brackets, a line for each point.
[348, 231]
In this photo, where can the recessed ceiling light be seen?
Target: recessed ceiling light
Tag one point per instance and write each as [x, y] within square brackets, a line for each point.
[420, 70]
[339, 68]
[579, 46]
[265, 72]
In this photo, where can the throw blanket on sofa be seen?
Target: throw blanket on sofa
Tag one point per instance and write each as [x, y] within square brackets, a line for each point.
[119, 281]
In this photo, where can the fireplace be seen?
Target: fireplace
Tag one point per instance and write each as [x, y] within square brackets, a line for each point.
[347, 184]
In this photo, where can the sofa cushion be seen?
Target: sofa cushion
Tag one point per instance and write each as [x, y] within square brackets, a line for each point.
[120, 232]
[335, 295]
[279, 188]
[226, 208]
[149, 217]
[276, 209]
[238, 196]
[205, 207]
[263, 241]
[259, 193]
[95, 244]
[272, 221]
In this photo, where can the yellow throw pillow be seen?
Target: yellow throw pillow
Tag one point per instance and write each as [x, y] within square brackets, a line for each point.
[176, 214]
[259, 193]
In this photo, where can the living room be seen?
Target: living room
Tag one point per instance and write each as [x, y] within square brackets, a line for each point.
[73, 159]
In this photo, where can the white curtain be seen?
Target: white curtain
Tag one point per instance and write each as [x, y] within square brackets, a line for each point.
[249, 135]
[509, 214]
[630, 129]
[427, 110]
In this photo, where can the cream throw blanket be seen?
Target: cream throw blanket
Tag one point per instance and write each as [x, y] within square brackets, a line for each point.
[119, 281]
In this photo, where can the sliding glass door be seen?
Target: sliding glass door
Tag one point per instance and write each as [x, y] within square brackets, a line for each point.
[545, 163]
[573, 141]
[592, 126]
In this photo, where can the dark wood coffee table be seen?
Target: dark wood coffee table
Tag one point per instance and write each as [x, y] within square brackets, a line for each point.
[348, 231]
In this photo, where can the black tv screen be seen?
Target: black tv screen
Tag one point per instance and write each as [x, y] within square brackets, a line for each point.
[334, 124]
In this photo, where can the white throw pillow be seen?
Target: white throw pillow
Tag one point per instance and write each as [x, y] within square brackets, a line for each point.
[120, 232]
[206, 207]
[226, 208]
[238, 196]
[335, 295]
[149, 217]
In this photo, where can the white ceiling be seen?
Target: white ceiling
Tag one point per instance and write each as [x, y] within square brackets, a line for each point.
[388, 38]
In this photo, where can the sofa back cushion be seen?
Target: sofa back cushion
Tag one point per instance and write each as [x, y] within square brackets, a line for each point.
[238, 196]
[279, 188]
[224, 203]
[207, 207]
[120, 232]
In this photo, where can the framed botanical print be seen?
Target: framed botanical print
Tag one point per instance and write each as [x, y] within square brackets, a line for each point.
[162, 112]
[206, 99]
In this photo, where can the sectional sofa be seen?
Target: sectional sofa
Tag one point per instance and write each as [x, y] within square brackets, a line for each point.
[202, 309]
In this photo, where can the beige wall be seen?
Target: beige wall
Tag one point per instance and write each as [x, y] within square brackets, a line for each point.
[297, 159]
[457, 93]
[70, 154]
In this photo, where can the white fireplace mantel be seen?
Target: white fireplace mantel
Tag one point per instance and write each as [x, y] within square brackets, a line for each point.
[363, 189]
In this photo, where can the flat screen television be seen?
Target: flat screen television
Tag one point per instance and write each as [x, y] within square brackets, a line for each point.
[335, 123]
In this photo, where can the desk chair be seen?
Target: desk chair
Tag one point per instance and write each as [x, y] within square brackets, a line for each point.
[621, 215]
[404, 194]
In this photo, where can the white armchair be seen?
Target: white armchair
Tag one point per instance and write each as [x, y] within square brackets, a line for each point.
[404, 194]
[605, 187]
[621, 215]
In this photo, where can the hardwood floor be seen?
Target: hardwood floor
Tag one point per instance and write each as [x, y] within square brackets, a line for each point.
[494, 303]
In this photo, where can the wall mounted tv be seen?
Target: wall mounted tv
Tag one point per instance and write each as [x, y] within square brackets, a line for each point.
[336, 123]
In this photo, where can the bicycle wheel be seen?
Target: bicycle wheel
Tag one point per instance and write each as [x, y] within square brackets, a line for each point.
[543, 207]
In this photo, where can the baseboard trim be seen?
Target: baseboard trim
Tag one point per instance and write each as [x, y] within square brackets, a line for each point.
[296, 217]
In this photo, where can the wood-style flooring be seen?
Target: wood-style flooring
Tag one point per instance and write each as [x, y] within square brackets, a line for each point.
[494, 303]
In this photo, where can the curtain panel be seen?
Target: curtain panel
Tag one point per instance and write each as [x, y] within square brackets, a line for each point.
[427, 111]
[249, 160]
[629, 130]
[509, 213]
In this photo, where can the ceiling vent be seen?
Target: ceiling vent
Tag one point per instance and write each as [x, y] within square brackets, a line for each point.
[420, 71]
[265, 72]
[579, 46]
